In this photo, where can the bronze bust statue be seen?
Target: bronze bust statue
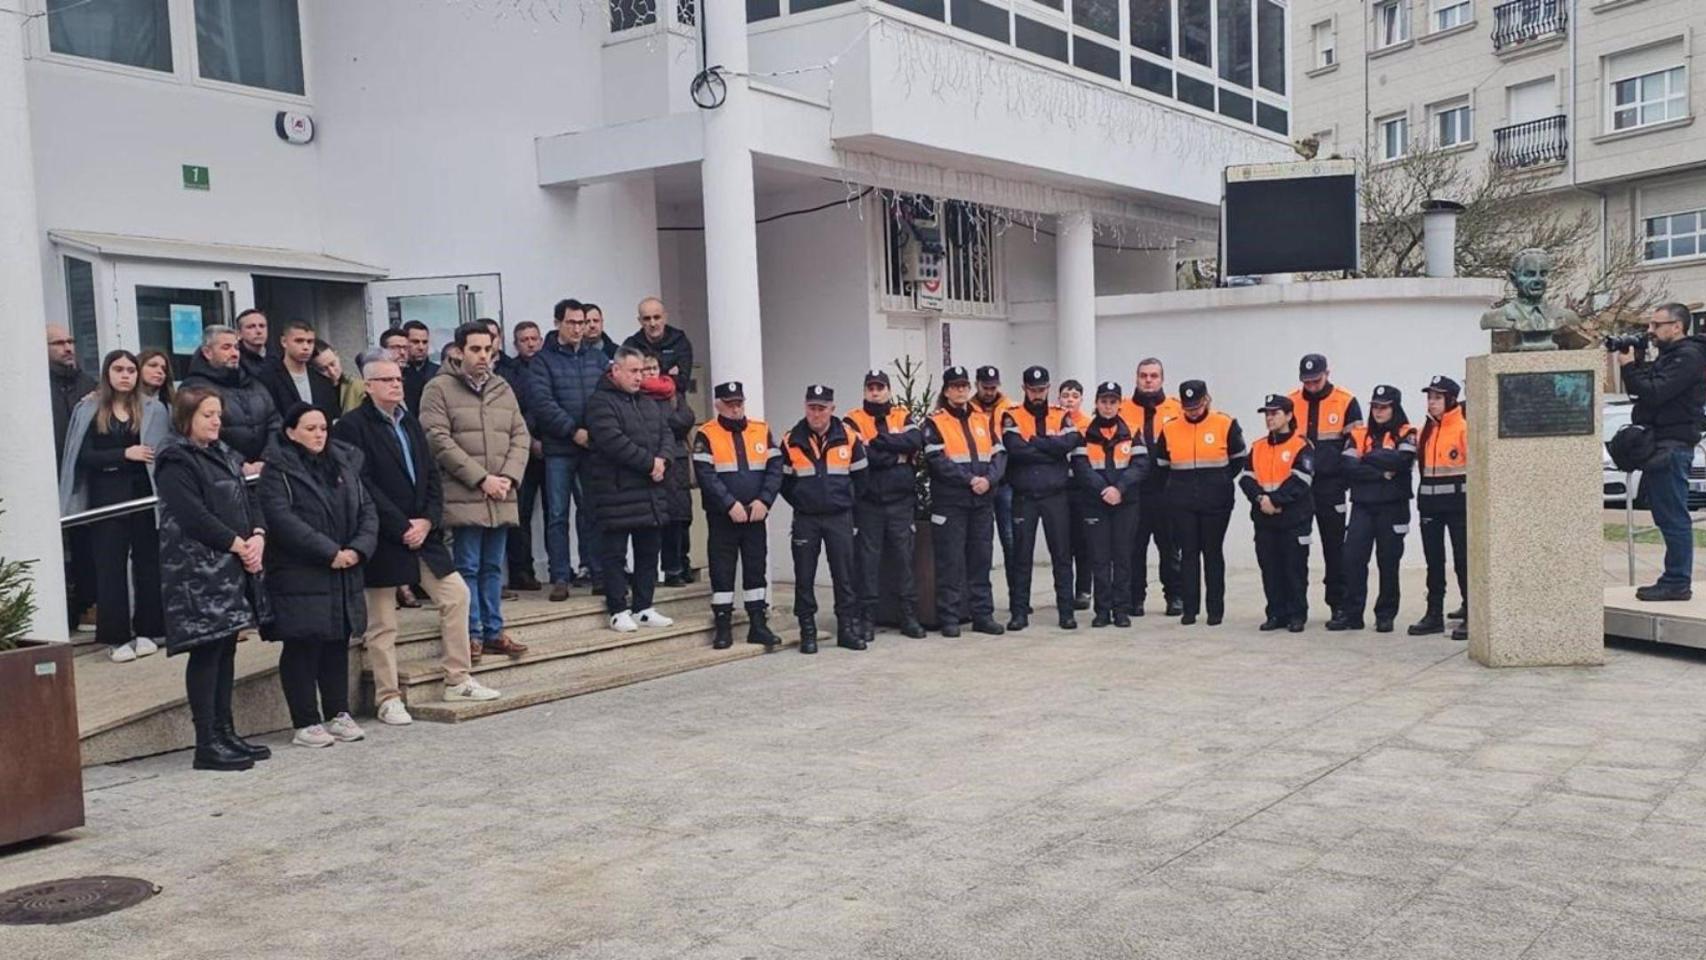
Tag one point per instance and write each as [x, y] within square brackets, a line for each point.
[1527, 323]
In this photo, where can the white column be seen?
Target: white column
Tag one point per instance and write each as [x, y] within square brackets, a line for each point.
[29, 484]
[731, 234]
[1075, 299]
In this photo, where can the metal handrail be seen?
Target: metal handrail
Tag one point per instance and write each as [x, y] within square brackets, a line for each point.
[123, 508]
[1522, 20]
[1630, 531]
[1531, 142]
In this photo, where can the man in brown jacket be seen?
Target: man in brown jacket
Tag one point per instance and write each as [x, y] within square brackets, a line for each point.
[475, 428]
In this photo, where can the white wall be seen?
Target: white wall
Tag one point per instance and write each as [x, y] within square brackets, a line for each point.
[1246, 342]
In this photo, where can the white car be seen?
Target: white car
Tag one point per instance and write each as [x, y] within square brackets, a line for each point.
[1615, 414]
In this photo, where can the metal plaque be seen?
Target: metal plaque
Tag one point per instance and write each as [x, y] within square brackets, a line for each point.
[1556, 404]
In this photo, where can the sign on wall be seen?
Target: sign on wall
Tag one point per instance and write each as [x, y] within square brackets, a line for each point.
[186, 328]
[196, 178]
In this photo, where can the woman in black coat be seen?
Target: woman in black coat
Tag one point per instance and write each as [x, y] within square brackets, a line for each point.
[678, 485]
[323, 528]
[626, 478]
[212, 540]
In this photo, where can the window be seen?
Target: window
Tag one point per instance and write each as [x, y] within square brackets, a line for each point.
[1236, 48]
[1152, 26]
[959, 236]
[1102, 16]
[80, 313]
[1151, 76]
[755, 10]
[154, 318]
[255, 43]
[1452, 13]
[1394, 137]
[1236, 105]
[1391, 23]
[981, 18]
[135, 33]
[1196, 31]
[1649, 98]
[1040, 38]
[928, 8]
[1325, 41]
[1272, 118]
[1452, 124]
[1195, 92]
[1270, 46]
[1095, 58]
[1674, 236]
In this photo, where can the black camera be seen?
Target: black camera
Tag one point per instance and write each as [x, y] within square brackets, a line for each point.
[1618, 343]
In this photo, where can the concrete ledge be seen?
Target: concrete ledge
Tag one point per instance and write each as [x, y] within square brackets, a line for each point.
[1321, 291]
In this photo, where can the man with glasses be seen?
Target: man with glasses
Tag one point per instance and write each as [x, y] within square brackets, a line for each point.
[674, 350]
[563, 375]
[1670, 394]
[68, 385]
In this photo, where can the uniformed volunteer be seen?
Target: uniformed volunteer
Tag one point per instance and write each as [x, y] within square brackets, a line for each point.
[1039, 437]
[1379, 459]
[1144, 411]
[1325, 415]
[1203, 451]
[1108, 470]
[992, 403]
[1443, 458]
[1277, 481]
[739, 469]
[884, 517]
[823, 467]
[965, 466]
[1071, 399]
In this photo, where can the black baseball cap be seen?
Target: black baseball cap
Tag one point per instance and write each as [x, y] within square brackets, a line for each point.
[1108, 388]
[1192, 392]
[954, 375]
[988, 374]
[818, 393]
[1036, 377]
[1312, 365]
[876, 376]
[1444, 385]
[731, 390]
[1275, 401]
[1386, 393]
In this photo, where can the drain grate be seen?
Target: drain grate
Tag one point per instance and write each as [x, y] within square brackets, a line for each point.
[67, 901]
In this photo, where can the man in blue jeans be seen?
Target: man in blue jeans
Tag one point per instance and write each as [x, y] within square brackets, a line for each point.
[1670, 400]
[563, 375]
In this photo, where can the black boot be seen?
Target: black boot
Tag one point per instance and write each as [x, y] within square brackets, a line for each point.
[1430, 623]
[849, 634]
[909, 625]
[1382, 626]
[808, 636]
[1081, 601]
[227, 731]
[1067, 620]
[986, 625]
[951, 627]
[868, 629]
[1175, 608]
[1101, 619]
[1018, 621]
[758, 630]
[1215, 617]
[1342, 621]
[213, 753]
[724, 637]
[1122, 619]
[1271, 623]
[1461, 613]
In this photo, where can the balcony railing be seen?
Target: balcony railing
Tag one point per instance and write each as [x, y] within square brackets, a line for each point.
[1531, 144]
[1520, 21]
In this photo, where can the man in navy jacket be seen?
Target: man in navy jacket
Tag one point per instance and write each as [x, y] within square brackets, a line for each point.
[564, 374]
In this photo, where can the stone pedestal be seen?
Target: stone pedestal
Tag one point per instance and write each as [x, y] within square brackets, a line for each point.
[1536, 588]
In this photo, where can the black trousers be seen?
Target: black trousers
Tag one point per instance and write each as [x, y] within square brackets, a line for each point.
[309, 666]
[883, 536]
[674, 545]
[1055, 514]
[965, 553]
[520, 545]
[1110, 533]
[1153, 524]
[79, 572]
[745, 543]
[1330, 510]
[613, 553]
[1283, 554]
[830, 533]
[1376, 529]
[1434, 531]
[1083, 568]
[1202, 557]
[208, 679]
[125, 547]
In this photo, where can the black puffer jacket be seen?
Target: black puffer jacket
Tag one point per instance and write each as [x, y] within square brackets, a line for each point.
[312, 512]
[674, 350]
[250, 419]
[681, 420]
[626, 432]
[1670, 392]
[204, 506]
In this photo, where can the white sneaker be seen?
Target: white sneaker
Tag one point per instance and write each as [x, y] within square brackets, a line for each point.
[124, 652]
[650, 617]
[394, 713]
[315, 736]
[623, 622]
[343, 727]
[145, 646]
[470, 689]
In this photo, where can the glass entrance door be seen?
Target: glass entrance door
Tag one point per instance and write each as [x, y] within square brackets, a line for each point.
[165, 306]
[442, 303]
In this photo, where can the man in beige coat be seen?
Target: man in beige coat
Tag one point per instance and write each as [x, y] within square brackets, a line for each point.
[474, 425]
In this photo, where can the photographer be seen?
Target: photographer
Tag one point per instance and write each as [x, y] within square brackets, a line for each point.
[1670, 396]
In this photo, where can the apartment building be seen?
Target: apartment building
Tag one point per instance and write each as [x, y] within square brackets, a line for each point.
[1596, 99]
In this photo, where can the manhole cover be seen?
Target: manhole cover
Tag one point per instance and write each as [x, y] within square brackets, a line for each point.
[67, 901]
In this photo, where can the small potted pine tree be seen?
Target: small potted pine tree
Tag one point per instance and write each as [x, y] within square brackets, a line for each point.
[915, 390]
[41, 769]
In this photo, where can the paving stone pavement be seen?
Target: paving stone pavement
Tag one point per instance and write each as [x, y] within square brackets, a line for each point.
[1167, 792]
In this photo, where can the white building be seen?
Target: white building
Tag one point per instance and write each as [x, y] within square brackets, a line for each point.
[486, 158]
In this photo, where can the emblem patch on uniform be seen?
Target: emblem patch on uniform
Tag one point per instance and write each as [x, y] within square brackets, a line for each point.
[1285, 456]
[1208, 438]
[1452, 454]
[758, 446]
[1332, 418]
